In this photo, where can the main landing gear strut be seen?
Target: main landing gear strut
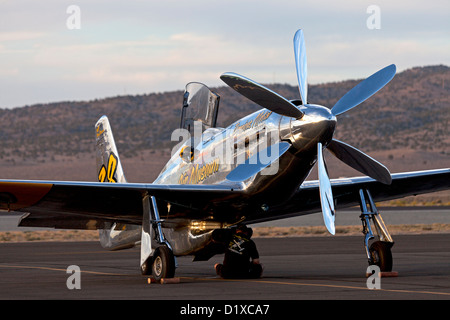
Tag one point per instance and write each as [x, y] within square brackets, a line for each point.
[379, 253]
[157, 256]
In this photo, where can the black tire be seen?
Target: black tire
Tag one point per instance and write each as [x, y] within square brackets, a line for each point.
[163, 265]
[381, 255]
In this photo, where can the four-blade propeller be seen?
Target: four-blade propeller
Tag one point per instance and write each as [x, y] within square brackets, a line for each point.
[344, 152]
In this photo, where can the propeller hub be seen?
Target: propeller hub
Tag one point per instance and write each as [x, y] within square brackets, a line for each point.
[317, 125]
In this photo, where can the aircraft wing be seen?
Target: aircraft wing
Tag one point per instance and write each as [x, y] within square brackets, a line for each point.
[88, 205]
[346, 192]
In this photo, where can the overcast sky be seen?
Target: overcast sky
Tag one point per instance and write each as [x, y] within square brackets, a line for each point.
[137, 47]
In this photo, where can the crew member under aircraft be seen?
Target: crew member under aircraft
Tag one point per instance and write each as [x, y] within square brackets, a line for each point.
[241, 257]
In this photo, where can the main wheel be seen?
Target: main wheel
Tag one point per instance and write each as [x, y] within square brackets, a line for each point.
[381, 255]
[163, 263]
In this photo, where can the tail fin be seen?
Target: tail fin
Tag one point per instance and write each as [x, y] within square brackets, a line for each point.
[109, 168]
[114, 236]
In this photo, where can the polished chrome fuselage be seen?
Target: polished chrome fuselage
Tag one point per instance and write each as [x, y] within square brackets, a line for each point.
[244, 138]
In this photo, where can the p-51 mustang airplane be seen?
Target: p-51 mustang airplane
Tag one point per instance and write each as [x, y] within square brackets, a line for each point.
[252, 171]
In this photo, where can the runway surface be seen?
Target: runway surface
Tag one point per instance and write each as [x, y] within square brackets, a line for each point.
[295, 269]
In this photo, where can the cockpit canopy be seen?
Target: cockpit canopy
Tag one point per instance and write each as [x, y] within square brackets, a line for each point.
[199, 104]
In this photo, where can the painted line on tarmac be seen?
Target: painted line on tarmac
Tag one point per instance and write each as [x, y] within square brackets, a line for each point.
[321, 285]
[58, 269]
[241, 280]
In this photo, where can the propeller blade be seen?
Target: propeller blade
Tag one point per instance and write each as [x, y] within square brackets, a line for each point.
[258, 162]
[301, 65]
[326, 196]
[261, 95]
[360, 161]
[364, 90]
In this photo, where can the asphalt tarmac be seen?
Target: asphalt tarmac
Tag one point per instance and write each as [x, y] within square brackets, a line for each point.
[301, 268]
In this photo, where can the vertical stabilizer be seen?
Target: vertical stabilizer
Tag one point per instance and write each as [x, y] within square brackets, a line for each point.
[114, 236]
[109, 168]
